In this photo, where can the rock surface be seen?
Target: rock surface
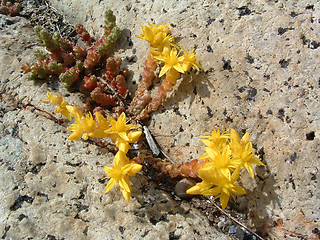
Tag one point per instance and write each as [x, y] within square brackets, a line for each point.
[260, 75]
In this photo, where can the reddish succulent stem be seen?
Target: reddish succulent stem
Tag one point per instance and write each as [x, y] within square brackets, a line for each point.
[102, 98]
[84, 35]
[188, 169]
[142, 95]
[90, 83]
[121, 85]
[166, 86]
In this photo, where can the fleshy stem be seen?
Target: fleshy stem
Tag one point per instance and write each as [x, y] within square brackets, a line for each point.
[10, 8]
[142, 95]
[167, 85]
[104, 44]
[187, 169]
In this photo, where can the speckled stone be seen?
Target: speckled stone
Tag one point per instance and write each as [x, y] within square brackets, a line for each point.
[51, 188]
[261, 75]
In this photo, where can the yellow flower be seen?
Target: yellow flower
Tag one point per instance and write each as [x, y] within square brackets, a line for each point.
[190, 60]
[74, 112]
[61, 104]
[223, 186]
[124, 145]
[157, 36]
[102, 124]
[83, 127]
[216, 140]
[120, 173]
[171, 61]
[242, 150]
[120, 133]
[199, 188]
[222, 161]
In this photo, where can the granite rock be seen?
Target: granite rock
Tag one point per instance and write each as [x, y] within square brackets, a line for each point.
[52, 188]
[260, 75]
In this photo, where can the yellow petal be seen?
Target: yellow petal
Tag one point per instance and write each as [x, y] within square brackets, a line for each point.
[125, 183]
[107, 170]
[226, 173]
[256, 161]
[213, 191]
[245, 137]
[235, 175]
[134, 168]
[98, 134]
[120, 159]
[179, 68]
[123, 146]
[126, 194]
[75, 136]
[110, 185]
[249, 168]
[211, 153]
[112, 121]
[76, 113]
[207, 175]
[134, 136]
[65, 113]
[234, 135]
[239, 190]
[85, 136]
[224, 199]
[102, 121]
[44, 101]
[203, 156]
[164, 70]
[124, 136]
[194, 190]
[122, 118]
[208, 143]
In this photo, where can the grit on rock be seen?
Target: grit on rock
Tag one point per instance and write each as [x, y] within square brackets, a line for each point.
[261, 75]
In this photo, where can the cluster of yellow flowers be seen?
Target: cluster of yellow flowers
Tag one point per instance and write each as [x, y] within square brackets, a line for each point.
[117, 130]
[227, 154]
[164, 49]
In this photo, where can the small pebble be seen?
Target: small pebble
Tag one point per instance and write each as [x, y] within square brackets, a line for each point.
[182, 186]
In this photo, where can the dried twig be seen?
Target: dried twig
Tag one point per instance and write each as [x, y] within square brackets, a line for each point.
[233, 219]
